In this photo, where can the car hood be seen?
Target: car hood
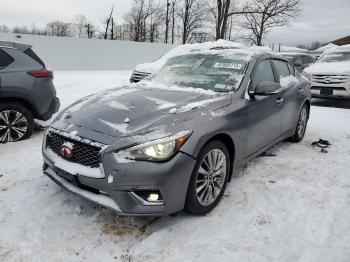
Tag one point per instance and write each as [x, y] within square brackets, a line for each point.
[133, 110]
[148, 67]
[329, 68]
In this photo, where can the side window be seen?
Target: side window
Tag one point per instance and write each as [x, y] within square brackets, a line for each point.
[281, 67]
[311, 59]
[306, 60]
[298, 61]
[5, 59]
[263, 72]
[291, 69]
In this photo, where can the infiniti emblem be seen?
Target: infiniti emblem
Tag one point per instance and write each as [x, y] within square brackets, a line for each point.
[66, 150]
[328, 80]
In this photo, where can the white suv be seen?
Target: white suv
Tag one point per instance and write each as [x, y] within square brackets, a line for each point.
[330, 75]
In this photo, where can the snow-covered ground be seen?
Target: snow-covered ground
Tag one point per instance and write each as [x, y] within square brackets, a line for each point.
[294, 206]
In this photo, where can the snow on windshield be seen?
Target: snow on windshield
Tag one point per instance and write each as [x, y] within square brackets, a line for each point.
[335, 57]
[217, 71]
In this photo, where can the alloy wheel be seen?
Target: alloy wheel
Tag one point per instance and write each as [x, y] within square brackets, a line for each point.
[211, 177]
[13, 126]
[302, 121]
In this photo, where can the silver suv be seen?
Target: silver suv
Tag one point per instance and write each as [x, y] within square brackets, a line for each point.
[330, 75]
[26, 91]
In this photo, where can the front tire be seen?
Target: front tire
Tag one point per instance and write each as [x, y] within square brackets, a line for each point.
[301, 125]
[209, 178]
[16, 122]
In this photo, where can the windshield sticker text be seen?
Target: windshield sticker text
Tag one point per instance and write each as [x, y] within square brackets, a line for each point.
[228, 65]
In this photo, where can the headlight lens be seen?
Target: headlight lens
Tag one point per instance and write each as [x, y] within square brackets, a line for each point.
[156, 150]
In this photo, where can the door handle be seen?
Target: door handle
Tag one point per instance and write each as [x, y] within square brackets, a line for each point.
[279, 101]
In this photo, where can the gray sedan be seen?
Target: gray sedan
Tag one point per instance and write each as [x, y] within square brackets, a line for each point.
[174, 141]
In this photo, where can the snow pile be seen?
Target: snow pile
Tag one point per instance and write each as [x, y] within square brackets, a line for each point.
[287, 81]
[154, 85]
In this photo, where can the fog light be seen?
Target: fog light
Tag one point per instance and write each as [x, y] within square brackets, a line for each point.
[153, 197]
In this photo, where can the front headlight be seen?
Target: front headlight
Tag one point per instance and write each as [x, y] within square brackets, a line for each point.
[156, 150]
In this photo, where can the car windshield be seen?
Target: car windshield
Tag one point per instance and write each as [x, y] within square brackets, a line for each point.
[335, 57]
[211, 71]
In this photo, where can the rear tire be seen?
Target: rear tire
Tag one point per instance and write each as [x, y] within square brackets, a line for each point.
[16, 122]
[301, 125]
[209, 178]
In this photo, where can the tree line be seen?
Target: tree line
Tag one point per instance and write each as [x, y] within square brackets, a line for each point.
[177, 21]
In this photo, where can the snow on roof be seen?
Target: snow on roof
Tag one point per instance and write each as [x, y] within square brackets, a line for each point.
[182, 49]
[292, 49]
[341, 48]
[325, 47]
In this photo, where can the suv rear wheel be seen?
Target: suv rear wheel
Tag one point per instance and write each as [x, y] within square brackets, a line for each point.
[16, 122]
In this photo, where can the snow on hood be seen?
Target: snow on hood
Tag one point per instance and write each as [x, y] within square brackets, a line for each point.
[131, 111]
[329, 68]
[182, 49]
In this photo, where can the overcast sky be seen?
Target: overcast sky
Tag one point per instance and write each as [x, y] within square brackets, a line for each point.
[320, 20]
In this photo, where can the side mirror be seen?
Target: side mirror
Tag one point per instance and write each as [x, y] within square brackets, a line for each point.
[265, 88]
[297, 64]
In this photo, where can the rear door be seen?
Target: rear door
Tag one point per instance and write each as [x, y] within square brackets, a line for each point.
[264, 111]
[5, 60]
[289, 93]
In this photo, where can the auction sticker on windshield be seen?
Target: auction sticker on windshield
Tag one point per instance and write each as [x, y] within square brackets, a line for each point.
[228, 65]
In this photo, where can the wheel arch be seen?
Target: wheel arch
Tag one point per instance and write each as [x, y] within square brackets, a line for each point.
[21, 101]
[230, 145]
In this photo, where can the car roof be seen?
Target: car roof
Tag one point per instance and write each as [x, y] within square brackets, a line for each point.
[22, 47]
[293, 53]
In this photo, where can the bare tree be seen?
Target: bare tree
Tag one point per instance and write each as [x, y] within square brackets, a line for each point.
[58, 28]
[262, 15]
[220, 13]
[144, 20]
[173, 7]
[4, 29]
[79, 22]
[107, 23]
[191, 14]
[315, 45]
[90, 30]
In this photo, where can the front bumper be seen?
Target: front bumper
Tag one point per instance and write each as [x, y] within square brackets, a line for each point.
[335, 91]
[122, 181]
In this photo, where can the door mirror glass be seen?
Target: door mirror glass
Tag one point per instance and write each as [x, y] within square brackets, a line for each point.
[265, 88]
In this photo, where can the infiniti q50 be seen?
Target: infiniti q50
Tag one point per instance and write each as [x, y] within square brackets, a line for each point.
[174, 141]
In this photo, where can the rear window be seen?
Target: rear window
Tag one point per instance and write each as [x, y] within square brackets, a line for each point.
[307, 60]
[34, 56]
[5, 59]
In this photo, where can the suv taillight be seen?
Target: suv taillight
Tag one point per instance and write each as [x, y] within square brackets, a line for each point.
[44, 73]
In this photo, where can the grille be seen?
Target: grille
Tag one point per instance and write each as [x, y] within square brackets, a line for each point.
[330, 79]
[138, 76]
[85, 152]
